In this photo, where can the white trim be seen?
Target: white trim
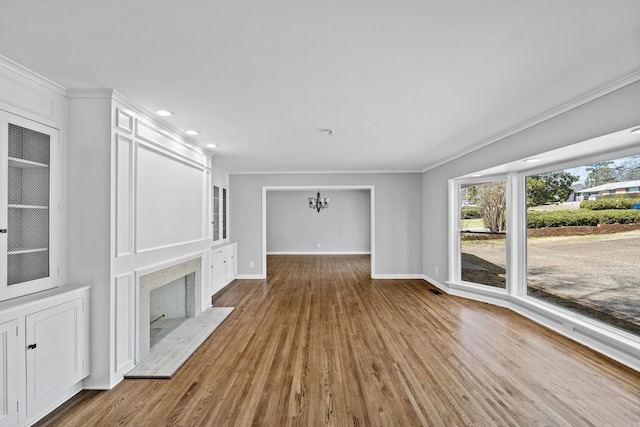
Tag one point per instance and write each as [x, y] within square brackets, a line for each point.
[320, 253]
[442, 286]
[483, 293]
[30, 75]
[397, 276]
[249, 277]
[591, 96]
[371, 188]
[321, 172]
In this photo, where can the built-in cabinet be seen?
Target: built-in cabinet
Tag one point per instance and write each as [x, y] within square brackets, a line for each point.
[44, 352]
[94, 191]
[224, 267]
[219, 210]
[9, 345]
[30, 225]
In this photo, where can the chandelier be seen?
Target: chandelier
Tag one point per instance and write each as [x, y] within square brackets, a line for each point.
[318, 203]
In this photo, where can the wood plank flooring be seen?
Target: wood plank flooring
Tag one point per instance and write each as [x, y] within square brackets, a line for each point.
[320, 343]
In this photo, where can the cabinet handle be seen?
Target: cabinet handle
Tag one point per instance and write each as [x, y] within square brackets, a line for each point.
[3, 231]
[32, 346]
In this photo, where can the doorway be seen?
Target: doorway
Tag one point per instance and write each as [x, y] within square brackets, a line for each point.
[311, 192]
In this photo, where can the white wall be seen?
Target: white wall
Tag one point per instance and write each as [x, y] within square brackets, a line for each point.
[344, 227]
[398, 216]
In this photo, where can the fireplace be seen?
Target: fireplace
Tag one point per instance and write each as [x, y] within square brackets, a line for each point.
[170, 305]
[167, 297]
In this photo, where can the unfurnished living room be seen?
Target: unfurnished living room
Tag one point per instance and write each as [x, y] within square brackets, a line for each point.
[320, 213]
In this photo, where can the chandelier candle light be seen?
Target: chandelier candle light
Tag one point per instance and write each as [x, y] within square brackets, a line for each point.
[318, 203]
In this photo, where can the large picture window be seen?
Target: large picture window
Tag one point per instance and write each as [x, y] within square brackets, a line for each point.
[583, 240]
[565, 251]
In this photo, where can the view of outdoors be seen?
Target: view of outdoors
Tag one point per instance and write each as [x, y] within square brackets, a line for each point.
[483, 234]
[583, 239]
[583, 250]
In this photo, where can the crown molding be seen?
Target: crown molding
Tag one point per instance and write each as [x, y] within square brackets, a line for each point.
[90, 93]
[591, 96]
[30, 75]
[338, 172]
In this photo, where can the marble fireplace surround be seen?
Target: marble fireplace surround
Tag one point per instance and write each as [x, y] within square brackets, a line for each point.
[153, 279]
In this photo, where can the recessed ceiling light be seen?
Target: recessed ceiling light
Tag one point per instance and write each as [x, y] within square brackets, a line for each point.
[533, 160]
[164, 113]
[636, 131]
[192, 132]
[475, 175]
[212, 145]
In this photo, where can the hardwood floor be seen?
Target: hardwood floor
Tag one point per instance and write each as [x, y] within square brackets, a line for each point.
[320, 343]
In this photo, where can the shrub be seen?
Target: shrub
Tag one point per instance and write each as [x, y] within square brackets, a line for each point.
[608, 203]
[470, 212]
[536, 219]
[621, 196]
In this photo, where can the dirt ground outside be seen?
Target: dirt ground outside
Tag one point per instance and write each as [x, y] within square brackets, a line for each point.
[595, 275]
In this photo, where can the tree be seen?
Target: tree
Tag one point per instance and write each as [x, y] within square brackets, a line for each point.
[491, 199]
[552, 187]
[601, 173]
[630, 169]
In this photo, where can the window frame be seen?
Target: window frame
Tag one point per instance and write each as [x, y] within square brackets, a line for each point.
[609, 340]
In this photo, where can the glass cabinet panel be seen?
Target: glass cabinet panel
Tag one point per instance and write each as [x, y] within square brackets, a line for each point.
[28, 182]
[224, 213]
[216, 213]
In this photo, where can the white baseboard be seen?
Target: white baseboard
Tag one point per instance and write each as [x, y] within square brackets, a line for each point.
[442, 286]
[320, 253]
[488, 294]
[397, 276]
[250, 276]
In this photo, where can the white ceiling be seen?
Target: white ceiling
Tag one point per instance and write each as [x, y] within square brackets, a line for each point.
[406, 84]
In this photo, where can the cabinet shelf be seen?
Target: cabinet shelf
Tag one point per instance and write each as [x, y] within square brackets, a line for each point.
[30, 175]
[26, 251]
[23, 164]
[28, 207]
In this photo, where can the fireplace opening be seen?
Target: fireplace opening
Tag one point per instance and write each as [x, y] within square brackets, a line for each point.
[169, 307]
[167, 298]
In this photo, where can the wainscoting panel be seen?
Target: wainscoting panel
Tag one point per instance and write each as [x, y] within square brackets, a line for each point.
[124, 192]
[169, 205]
[124, 323]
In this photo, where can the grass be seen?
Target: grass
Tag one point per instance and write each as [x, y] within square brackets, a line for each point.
[471, 223]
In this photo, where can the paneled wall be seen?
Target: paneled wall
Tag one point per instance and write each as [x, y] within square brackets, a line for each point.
[138, 201]
[159, 189]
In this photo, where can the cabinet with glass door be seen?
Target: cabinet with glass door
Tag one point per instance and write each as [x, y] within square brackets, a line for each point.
[220, 203]
[26, 216]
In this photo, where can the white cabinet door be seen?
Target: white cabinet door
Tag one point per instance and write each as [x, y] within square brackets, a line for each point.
[231, 270]
[54, 353]
[218, 271]
[8, 373]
